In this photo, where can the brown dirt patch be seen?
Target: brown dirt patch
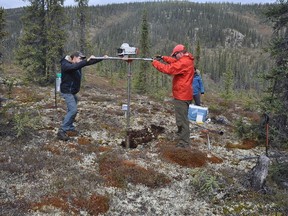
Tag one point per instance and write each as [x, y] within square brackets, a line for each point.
[84, 141]
[119, 172]
[73, 146]
[246, 144]
[137, 137]
[67, 202]
[214, 159]
[104, 149]
[187, 157]
[53, 149]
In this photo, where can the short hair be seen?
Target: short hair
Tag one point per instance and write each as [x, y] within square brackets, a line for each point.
[78, 54]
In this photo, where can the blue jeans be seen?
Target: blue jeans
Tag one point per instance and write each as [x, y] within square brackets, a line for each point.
[71, 102]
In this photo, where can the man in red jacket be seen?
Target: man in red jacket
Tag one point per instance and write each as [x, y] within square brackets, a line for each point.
[181, 67]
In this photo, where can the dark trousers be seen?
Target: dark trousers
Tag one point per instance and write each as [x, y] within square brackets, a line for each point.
[196, 99]
[182, 121]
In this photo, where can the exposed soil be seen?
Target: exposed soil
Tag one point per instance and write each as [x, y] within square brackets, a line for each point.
[94, 173]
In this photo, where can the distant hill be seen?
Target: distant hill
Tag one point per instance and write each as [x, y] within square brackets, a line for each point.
[226, 32]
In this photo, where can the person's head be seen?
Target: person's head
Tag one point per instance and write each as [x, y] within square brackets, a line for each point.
[178, 51]
[77, 57]
[196, 72]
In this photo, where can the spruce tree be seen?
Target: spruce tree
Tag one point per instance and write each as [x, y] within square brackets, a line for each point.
[3, 34]
[197, 55]
[228, 79]
[276, 102]
[42, 41]
[81, 10]
[31, 54]
[142, 79]
[56, 35]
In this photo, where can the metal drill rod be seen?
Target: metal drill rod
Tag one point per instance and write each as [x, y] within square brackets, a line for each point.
[128, 105]
[210, 130]
[123, 58]
[129, 74]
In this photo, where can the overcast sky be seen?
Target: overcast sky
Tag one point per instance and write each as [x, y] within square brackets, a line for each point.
[20, 3]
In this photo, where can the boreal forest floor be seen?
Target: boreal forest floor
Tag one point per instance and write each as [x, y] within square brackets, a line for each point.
[95, 174]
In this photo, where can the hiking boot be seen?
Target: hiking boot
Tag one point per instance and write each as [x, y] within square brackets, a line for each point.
[72, 133]
[62, 135]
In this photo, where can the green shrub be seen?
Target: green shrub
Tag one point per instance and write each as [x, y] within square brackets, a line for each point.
[24, 122]
[203, 182]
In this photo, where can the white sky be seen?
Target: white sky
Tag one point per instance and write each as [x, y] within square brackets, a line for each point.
[20, 3]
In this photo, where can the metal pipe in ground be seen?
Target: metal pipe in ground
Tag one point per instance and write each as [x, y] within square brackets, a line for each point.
[128, 104]
[129, 74]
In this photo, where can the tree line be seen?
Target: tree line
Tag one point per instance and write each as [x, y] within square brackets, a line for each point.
[106, 27]
[221, 36]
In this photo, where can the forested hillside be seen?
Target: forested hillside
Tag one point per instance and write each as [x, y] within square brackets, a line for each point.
[237, 161]
[229, 36]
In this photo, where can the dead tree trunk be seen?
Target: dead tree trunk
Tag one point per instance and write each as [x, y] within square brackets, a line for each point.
[259, 173]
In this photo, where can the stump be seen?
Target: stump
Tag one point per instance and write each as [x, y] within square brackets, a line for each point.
[259, 173]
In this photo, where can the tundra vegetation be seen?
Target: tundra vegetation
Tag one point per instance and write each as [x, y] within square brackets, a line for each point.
[241, 51]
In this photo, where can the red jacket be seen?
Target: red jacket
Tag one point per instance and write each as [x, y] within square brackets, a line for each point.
[182, 71]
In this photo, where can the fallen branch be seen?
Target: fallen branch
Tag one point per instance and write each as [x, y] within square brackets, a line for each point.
[256, 157]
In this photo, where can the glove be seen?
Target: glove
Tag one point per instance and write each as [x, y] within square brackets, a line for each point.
[158, 57]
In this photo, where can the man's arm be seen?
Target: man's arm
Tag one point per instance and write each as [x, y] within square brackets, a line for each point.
[68, 66]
